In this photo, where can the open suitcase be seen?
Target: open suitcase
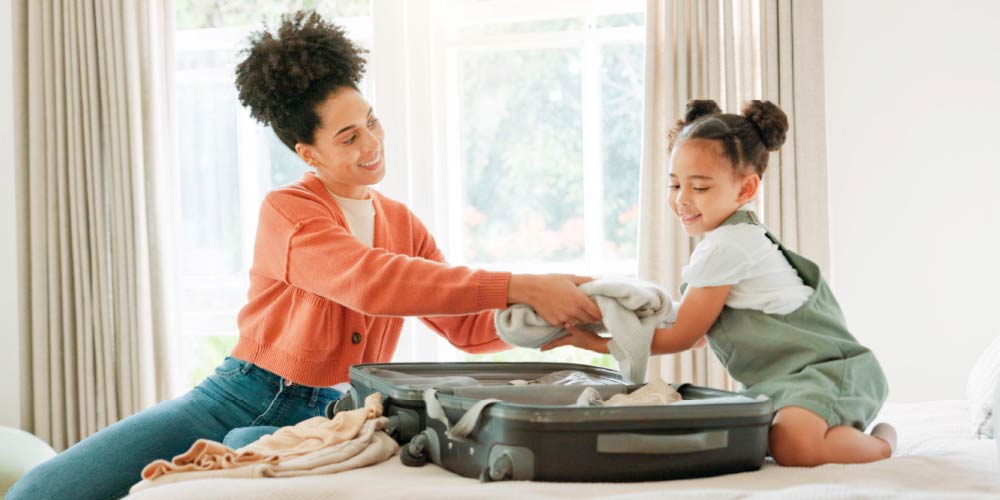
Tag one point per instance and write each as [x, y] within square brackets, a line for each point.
[471, 420]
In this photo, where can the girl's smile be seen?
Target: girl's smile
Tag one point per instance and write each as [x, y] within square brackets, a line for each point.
[688, 219]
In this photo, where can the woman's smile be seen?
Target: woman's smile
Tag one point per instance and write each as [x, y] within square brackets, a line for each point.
[374, 164]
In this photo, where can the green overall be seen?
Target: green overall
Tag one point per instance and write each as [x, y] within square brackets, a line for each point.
[806, 358]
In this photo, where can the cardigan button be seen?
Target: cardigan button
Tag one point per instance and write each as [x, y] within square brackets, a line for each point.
[356, 338]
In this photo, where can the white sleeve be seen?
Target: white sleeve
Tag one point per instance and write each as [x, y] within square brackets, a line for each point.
[716, 264]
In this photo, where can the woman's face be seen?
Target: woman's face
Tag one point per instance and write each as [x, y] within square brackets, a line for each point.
[347, 147]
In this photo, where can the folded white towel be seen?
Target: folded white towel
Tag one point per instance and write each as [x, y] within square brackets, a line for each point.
[656, 392]
[631, 310]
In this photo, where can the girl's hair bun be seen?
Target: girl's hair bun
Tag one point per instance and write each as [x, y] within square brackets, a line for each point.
[769, 120]
[699, 108]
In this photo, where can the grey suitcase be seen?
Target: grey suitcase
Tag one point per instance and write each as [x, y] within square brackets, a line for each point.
[535, 433]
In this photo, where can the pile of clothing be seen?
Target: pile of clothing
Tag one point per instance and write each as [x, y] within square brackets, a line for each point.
[319, 445]
[656, 392]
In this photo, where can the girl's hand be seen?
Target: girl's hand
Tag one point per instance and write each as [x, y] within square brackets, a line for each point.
[580, 338]
[555, 297]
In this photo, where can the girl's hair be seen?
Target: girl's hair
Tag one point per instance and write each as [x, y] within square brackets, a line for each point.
[745, 139]
[285, 75]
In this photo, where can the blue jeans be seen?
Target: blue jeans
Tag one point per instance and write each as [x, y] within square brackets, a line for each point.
[239, 395]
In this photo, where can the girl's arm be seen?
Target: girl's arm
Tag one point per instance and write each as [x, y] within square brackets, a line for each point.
[699, 309]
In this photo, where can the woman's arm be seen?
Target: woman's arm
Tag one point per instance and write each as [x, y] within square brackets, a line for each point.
[311, 251]
[476, 333]
[699, 309]
[323, 258]
[472, 333]
[555, 297]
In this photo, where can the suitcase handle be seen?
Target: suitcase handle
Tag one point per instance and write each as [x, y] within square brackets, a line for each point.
[662, 444]
[461, 430]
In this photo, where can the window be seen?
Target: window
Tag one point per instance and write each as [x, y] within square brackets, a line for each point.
[542, 133]
[513, 131]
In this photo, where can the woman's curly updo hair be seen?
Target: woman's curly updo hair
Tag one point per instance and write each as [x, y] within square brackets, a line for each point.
[746, 139]
[285, 75]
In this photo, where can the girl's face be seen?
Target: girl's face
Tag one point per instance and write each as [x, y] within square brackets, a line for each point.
[704, 187]
[347, 147]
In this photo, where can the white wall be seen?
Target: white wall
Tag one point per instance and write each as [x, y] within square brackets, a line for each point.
[10, 366]
[913, 129]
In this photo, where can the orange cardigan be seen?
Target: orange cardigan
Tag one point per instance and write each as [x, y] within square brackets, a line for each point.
[321, 301]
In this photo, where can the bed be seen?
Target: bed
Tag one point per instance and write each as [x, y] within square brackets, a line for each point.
[937, 457]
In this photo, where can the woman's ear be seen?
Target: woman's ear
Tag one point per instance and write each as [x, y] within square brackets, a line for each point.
[306, 153]
[748, 187]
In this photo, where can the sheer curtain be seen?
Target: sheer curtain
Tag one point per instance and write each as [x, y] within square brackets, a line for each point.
[94, 137]
[732, 51]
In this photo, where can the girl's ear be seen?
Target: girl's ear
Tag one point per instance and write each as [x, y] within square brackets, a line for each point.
[748, 188]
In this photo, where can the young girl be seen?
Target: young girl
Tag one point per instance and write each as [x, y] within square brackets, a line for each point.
[766, 312]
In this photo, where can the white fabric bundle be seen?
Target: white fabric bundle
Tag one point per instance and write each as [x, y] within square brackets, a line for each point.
[631, 310]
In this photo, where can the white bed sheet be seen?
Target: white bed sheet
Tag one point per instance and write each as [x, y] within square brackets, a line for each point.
[937, 457]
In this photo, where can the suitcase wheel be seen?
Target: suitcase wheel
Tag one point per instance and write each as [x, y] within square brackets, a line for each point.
[414, 453]
[501, 469]
[346, 402]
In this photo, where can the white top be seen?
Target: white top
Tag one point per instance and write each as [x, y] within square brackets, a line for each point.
[360, 216]
[741, 255]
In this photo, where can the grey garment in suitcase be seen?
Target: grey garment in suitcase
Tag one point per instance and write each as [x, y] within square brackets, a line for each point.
[475, 423]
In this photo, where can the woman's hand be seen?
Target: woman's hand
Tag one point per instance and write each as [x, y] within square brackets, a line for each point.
[580, 338]
[555, 297]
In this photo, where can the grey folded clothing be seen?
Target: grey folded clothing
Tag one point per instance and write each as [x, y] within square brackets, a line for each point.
[537, 394]
[566, 377]
[422, 382]
[631, 310]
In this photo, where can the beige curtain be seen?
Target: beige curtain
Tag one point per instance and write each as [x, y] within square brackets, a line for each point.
[795, 200]
[95, 141]
[730, 51]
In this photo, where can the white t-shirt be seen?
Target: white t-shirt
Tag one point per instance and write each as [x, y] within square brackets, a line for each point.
[360, 216]
[741, 255]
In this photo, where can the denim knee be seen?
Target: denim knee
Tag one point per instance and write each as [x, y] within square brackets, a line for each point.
[242, 436]
[30, 486]
[38, 483]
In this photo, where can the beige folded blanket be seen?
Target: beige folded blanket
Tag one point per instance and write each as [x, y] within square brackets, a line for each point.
[318, 445]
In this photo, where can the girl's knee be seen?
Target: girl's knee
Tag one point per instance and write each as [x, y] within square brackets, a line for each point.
[791, 449]
[796, 437]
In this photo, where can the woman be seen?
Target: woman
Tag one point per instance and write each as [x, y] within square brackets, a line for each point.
[336, 267]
